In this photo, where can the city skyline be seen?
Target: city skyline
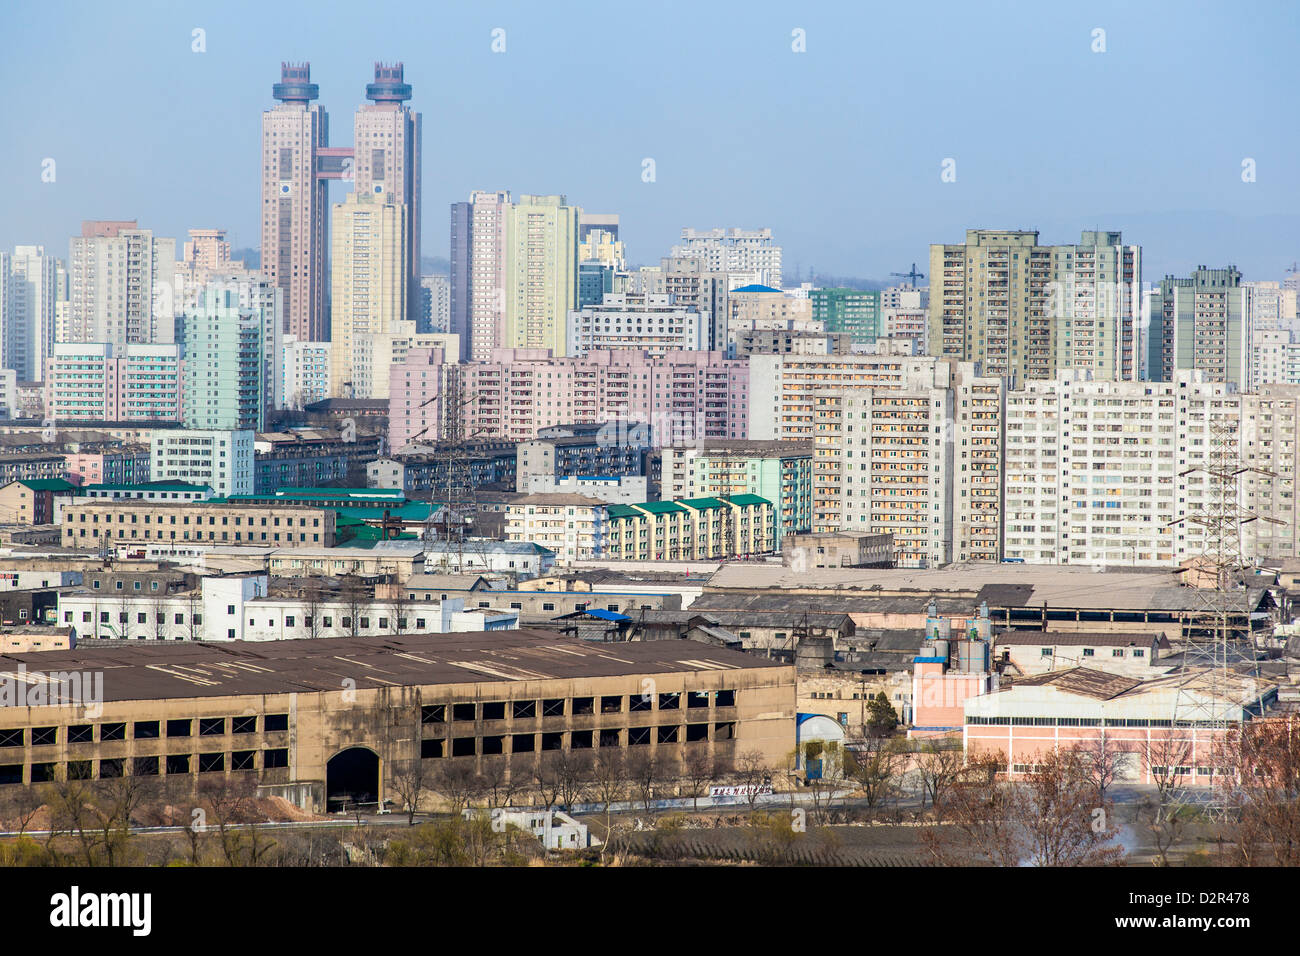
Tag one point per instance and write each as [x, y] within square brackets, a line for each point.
[1180, 195]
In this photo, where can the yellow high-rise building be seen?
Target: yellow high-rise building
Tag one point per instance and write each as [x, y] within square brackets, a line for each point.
[370, 290]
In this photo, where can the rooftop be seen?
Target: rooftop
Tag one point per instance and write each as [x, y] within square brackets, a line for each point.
[158, 671]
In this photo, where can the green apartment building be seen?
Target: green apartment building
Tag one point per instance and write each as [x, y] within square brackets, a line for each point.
[854, 311]
[1024, 311]
[691, 529]
[222, 354]
[780, 471]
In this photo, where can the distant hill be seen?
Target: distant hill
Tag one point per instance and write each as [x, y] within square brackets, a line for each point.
[252, 257]
[435, 266]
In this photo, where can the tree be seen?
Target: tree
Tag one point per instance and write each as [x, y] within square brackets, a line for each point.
[938, 764]
[1163, 755]
[752, 773]
[21, 805]
[408, 783]
[1259, 764]
[501, 778]
[874, 766]
[313, 606]
[644, 773]
[573, 770]
[355, 600]
[698, 771]
[609, 784]
[232, 807]
[1104, 760]
[881, 716]
[456, 781]
[1051, 818]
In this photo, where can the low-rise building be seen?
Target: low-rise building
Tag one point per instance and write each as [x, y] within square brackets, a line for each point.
[573, 527]
[33, 500]
[692, 529]
[838, 549]
[92, 524]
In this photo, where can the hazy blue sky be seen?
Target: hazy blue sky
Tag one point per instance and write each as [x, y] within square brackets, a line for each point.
[838, 149]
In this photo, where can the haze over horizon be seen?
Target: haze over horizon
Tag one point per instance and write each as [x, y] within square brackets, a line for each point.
[837, 149]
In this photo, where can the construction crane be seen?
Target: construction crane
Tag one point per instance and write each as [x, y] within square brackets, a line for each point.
[913, 275]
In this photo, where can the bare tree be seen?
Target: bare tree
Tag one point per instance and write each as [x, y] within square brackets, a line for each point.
[355, 600]
[233, 809]
[938, 764]
[500, 779]
[1104, 759]
[456, 781]
[874, 765]
[573, 770]
[751, 774]
[697, 773]
[547, 779]
[1051, 818]
[1163, 756]
[21, 805]
[158, 613]
[313, 606]
[644, 773]
[609, 785]
[409, 782]
[1261, 792]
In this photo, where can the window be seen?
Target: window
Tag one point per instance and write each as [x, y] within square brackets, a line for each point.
[1046, 652]
[275, 722]
[1089, 652]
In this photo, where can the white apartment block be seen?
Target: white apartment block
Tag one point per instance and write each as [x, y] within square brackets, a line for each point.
[304, 372]
[657, 323]
[574, 527]
[222, 460]
[120, 285]
[1113, 473]
[734, 250]
[239, 608]
[28, 310]
[782, 387]
[920, 459]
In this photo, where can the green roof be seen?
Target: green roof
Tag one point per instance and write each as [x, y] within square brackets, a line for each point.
[701, 504]
[410, 511]
[749, 500]
[148, 486]
[622, 511]
[47, 484]
[659, 507]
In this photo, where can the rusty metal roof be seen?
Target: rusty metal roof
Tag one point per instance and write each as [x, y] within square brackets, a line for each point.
[154, 671]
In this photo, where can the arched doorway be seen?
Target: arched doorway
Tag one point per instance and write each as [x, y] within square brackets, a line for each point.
[351, 776]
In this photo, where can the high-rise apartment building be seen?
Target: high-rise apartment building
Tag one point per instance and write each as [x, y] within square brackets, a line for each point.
[734, 250]
[1201, 322]
[541, 271]
[295, 199]
[1114, 473]
[435, 304]
[120, 286]
[682, 396]
[855, 311]
[690, 280]
[386, 163]
[206, 251]
[478, 273]
[918, 458]
[370, 289]
[1023, 310]
[305, 370]
[222, 346]
[28, 309]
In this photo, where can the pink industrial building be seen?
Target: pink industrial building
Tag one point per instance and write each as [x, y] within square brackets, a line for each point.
[683, 396]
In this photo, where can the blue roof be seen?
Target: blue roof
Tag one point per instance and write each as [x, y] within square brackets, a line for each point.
[606, 615]
[756, 288]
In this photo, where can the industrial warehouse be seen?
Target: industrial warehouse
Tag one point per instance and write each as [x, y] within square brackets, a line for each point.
[325, 722]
